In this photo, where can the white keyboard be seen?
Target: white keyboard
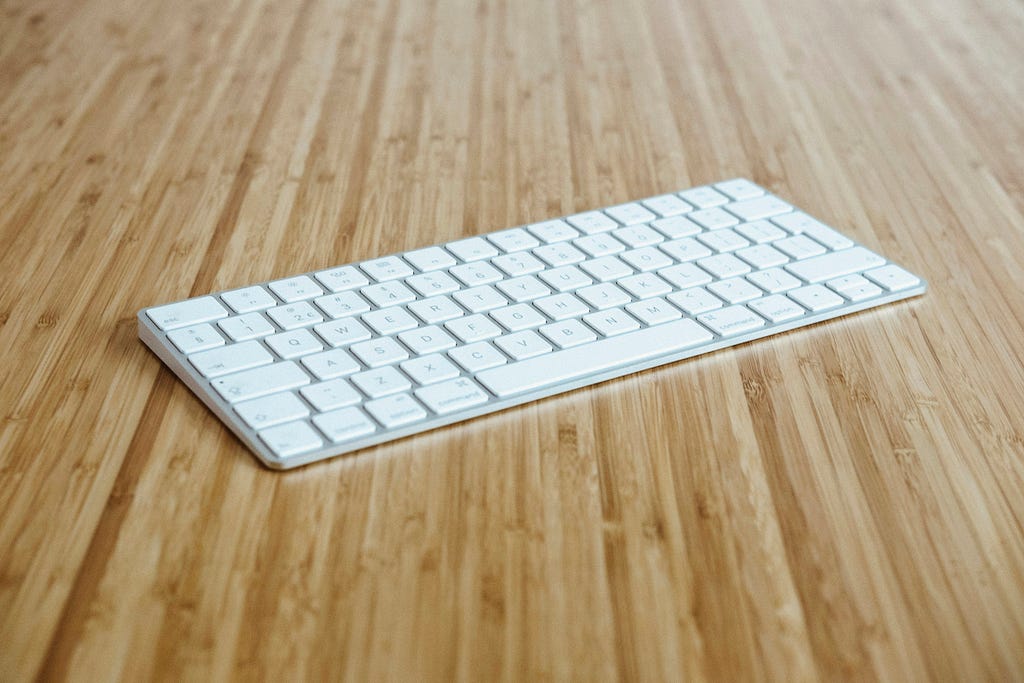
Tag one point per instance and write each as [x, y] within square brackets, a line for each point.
[325, 363]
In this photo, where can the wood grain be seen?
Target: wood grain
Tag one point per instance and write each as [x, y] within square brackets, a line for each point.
[840, 502]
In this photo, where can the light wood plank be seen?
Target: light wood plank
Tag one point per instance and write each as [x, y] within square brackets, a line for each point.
[845, 501]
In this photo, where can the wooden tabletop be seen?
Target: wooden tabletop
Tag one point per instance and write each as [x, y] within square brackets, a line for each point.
[840, 502]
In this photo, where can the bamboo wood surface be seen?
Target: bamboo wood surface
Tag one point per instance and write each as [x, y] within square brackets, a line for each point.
[840, 502]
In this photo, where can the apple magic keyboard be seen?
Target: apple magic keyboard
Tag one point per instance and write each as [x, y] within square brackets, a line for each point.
[329, 362]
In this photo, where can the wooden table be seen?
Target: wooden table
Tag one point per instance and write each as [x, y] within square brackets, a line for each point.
[843, 501]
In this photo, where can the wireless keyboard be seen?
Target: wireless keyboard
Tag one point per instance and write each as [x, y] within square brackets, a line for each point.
[329, 362]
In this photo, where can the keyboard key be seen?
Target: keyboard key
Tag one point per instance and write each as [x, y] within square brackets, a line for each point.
[731, 321]
[686, 249]
[525, 344]
[249, 299]
[197, 338]
[561, 306]
[892, 278]
[518, 317]
[248, 326]
[227, 359]
[480, 299]
[476, 273]
[518, 264]
[293, 316]
[294, 343]
[739, 189]
[835, 264]
[676, 227]
[760, 232]
[592, 222]
[431, 258]
[185, 313]
[341, 279]
[344, 425]
[330, 364]
[799, 247]
[526, 288]
[773, 280]
[758, 208]
[724, 240]
[395, 411]
[827, 236]
[606, 268]
[271, 410]
[424, 340]
[390, 320]
[291, 439]
[561, 367]
[262, 381]
[723, 265]
[550, 232]
[295, 289]
[630, 214]
[799, 222]
[566, 278]
[513, 240]
[433, 284]
[777, 308]
[567, 333]
[667, 205]
[854, 287]
[386, 268]
[429, 369]
[645, 285]
[342, 305]
[472, 249]
[685, 275]
[436, 309]
[377, 352]
[342, 331]
[336, 393]
[388, 294]
[703, 197]
[815, 298]
[381, 382]
[734, 290]
[713, 219]
[653, 311]
[561, 254]
[604, 295]
[646, 258]
[611, 322]
[478, 356]
[762, 256]
[451, 396]
[473, 328]
[695, 300]
[636, 236]
[599, 245]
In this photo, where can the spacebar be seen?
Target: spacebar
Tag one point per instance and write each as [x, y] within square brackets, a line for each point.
[565, 366]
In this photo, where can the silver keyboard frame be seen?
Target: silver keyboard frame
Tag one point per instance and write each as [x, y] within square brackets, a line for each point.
[156, 340]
